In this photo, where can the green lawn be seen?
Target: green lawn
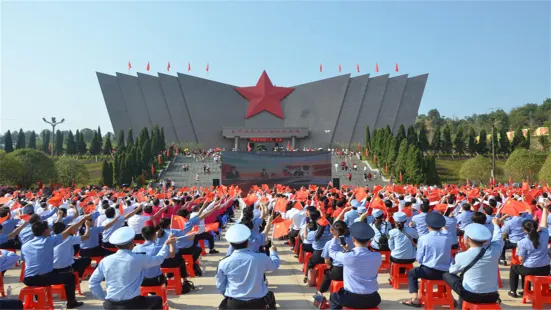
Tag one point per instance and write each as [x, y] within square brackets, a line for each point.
[448, 170]
[94, 169]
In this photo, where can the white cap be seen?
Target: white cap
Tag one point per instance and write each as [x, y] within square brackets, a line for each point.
[377, 213]
[478, 232]
[238, 233]
[122, 236]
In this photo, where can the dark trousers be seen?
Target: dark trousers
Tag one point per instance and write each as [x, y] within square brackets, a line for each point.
[51, 278]
[11, 304]
[335, 273]
[422, 272]
[204, 236]
[79, 266]
[456, 284]
[508, 245]
[138, 302]
[156, 281]
[195, 252]
[11, 244]
[176, 262]
[344, 298]
[315, 259]
[520, 270]
[108, 245]
[292, 235]
[95, 252]
[267, 302]
[307, 247]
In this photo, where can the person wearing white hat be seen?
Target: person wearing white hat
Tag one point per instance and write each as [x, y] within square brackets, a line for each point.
[240, 276]
[478, 282]
[124, 272]
[402, 240]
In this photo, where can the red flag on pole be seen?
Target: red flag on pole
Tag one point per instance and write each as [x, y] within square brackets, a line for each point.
[401, 177]
[366, 152]
[358, 68]
[168, 67]
[207, 67]
[147, 67]
[396, 67]
[188, 66]
[376, 67]
[321, 68]
[143, 178]
[129, 66]
[340, 68]
[359, 147]
[159, 160]
[510, 181]
[386, 168]
[152, 169]
[375, 159]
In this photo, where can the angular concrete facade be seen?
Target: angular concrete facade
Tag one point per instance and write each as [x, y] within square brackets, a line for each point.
[335, 111]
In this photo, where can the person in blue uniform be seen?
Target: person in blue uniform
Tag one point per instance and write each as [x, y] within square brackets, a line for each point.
[402, 241]
[361, 267]
[381, 229]
[321, 237]
[152, 276]
[433, 255]
[464, 218]
[240, 276]
[532, 253]
[172, 262]
[512, 233]
[64, 252]
[124, 271]
[39, 260]
[419, 221]
[479, 283]
[91, 247]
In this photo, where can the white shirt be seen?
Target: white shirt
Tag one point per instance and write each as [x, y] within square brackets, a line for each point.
[137, 222]
[297, 217]
[201, 225]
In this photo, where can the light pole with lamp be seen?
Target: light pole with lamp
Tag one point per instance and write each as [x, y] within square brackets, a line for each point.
[53, 123]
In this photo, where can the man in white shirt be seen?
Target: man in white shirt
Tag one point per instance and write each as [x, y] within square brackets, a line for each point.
[297, 216]
[138, 220]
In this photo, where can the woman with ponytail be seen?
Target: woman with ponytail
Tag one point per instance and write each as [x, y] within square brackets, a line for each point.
[532, 253]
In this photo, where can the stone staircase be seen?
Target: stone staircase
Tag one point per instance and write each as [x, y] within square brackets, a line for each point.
[357, 176]
[175, 171]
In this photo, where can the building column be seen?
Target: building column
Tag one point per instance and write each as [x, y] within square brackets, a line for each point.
[236, 143]
[293, 140]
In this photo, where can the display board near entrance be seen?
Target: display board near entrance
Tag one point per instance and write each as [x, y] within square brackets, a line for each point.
[293, 169]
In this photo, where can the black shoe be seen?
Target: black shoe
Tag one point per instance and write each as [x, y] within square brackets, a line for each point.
[74, 304]
[513, 294]
[503, 262]
[213, 251]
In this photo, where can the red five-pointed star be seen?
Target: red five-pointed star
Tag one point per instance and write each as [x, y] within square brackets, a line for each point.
[264, 96]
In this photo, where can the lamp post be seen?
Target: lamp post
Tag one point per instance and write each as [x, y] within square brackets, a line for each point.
[54, 123]
[492, 122]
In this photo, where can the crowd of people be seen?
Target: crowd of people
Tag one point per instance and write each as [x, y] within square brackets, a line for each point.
[458, 234]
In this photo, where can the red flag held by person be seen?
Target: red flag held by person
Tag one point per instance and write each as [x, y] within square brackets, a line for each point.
[147, 67]
[298, 205]
[512, 207]
[323, 221]
[397, 67]
[281, 227]
[121, 209]
[281, 204]
[177, 222]
[376, 67]
[358, 68]
[168, 67]
[129, 66]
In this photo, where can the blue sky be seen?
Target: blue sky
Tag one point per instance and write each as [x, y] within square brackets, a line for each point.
[479, 55]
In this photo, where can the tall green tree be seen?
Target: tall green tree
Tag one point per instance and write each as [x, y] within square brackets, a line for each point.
[471, 141]
[392, 154]
[402, 157]
[162, 139]
[459, 141]
[120, 140]
[518, 140]
[527, 140]
[58, 143]
[447, 139]
[436, 144]
[412, 135]
[146, 154]
[95, 145]
[107, 174]
[117, 176]
[482, 146]
[107, 147]
[423, 139]
[20, 140]
[45, 141]
[401, 133]
[130, 139]
[414, 166]
[71, 144]
[504, 146]
[81, 144]
[99, 134]
[367, 137]
[32, 141]
[37, 166]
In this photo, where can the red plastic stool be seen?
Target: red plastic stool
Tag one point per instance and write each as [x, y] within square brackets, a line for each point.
[539, 294]
[59, 289]
[462, 245]
[296, 245]
[89, 270]
[202, 244]
[22, 274]
[454, 252]
[430, 298]
[43, 295]
[174, 282]
[136, 242]
[336, 286]
[159, 290]
[386, 260]
[514, 258]
[307, 256]
[397, 278]
[320, 272]
[188, 258]
[470, 306]
[2, 292]
[300, 260]
[499, 282]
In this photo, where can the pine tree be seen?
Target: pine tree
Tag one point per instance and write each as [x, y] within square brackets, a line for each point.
[32, 141]
[431, 174]
[162, 139]
[154, 144]
[527, 140]
[120, 140]
[436, 144]
[518, 139]
[71, 144]
[146, 154]
[58, 143]
[447, 140]
[117, 169]
[95, 145]
[401, 133]
[504, 144]
[8, 142]
[20, 140]
[423, 139]
[45, 141]
[81, 144]
[482, 146]
[402, 158]
[373, 149]
[130, 139]
[459, 141]
[107, 147]
[471, 141]
[367, 137]
[414, 166]
[412, 135]
[100, 135]
[392, 154]
[107, 174]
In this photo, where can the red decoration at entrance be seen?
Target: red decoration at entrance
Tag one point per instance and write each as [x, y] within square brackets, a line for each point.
[264, 96]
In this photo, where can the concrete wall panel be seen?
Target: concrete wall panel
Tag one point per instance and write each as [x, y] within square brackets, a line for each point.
[411, 100]
[391, 101]
[349, 111]
[156, 105]
[371, 104]
[135, 104]
[116, 108]
[316, 105]
[177, 108]
[212, 105]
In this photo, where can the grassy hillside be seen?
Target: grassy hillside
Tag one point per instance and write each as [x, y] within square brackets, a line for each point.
[448, 169]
